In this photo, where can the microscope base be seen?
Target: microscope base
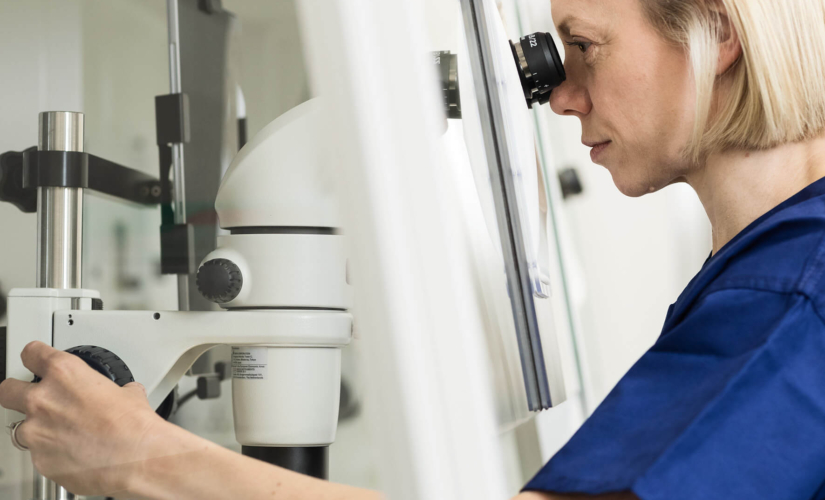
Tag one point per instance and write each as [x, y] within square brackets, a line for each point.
[311, 461]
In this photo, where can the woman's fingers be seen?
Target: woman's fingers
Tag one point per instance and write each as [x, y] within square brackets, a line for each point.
[14, 395]
[37, 356]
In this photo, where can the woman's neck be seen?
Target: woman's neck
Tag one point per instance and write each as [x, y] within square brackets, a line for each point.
[736, 188]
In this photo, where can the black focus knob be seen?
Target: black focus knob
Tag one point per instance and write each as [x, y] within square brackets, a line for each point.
[220, 280]
[104, 362]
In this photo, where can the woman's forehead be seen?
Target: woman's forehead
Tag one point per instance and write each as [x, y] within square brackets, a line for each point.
[572, 15]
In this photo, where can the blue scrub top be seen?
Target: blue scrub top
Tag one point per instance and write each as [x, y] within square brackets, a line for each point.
[730, 401]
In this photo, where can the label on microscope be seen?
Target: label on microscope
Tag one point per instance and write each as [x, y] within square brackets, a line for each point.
[249, 363]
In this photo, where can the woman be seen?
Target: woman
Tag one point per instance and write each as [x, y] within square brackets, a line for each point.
[726, 95]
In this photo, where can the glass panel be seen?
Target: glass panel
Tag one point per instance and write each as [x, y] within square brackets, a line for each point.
[505, 130]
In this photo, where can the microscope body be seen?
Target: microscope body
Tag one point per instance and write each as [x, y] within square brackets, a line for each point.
[281, 275]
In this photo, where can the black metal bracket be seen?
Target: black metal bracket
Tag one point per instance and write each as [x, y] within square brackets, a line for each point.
[177, 249]
[3, 305]
[177, 241]
[11, 182]
[210, 6]
[3, 333]
[172, 119]
[21, 173]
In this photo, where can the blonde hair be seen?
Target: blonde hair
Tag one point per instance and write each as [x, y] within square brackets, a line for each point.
[776, 88]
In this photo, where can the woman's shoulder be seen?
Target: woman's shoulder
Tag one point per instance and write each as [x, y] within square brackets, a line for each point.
[783, 252]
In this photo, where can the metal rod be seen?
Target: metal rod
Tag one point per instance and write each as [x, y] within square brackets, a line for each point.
[173, 24]
[60, 210]
[175, 87]
[41, 487]
[61, 131]
[59, 236]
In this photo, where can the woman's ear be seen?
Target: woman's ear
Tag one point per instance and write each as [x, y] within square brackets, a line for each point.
[730, 47]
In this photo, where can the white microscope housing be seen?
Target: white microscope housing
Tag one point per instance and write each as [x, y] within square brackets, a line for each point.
[281, 275]
[284, 252]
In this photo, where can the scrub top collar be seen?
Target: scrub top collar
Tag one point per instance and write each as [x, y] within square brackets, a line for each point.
[716, 263]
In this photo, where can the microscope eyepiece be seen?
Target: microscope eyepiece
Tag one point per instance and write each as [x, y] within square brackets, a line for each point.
[539, 66]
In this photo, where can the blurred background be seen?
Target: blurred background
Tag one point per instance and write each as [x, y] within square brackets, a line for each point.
[619, 262]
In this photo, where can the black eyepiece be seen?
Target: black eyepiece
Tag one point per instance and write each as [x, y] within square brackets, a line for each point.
[539, 66]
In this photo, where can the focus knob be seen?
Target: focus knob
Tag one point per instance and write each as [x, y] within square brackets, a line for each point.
[220, 280]
[104, 362]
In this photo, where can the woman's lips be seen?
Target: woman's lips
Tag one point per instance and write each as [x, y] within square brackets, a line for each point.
[598, 149]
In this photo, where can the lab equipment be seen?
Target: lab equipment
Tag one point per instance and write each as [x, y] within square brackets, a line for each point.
[539, 65]
[228, 276]
[540, 70]
[280, 273]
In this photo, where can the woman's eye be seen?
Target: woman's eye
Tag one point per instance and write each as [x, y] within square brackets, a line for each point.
[582, 46]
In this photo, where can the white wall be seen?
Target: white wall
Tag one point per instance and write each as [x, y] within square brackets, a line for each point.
[125, 65]
[40, 62]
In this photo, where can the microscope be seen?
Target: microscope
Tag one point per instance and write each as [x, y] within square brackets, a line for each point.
[280, 274]
[539, 65]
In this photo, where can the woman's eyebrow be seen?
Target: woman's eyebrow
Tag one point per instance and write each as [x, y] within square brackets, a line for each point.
[564, 26]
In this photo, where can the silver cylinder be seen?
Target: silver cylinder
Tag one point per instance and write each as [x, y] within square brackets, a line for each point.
[59, 236]
[60, 131]
[42, 487]
[45, 489]
[60, 210]
[175, 87]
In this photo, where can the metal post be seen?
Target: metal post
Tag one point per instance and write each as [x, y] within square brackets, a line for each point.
[59, 236]
[60, 210]
[175, 87]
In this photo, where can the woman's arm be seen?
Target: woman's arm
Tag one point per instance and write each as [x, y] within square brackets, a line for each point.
[201, 470]
[95, 438]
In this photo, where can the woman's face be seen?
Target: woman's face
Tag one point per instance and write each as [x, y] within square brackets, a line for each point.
[631, 88]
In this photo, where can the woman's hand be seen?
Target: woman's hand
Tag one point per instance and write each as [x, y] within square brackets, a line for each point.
[84, 432]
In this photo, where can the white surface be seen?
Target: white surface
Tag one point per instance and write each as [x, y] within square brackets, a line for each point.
[295, 405]
[135, 335]
[429, 393]
[275, 180]
[287, 270]
[485, 254]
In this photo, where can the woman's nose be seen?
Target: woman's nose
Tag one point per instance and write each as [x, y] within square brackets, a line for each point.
[571, 98]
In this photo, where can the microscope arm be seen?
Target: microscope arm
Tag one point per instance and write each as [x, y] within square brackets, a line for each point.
[135, 336]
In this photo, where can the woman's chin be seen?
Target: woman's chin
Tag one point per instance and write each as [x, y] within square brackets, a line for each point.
[631, 186]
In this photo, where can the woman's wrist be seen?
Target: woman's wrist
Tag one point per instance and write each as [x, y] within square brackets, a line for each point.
[162, 460]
